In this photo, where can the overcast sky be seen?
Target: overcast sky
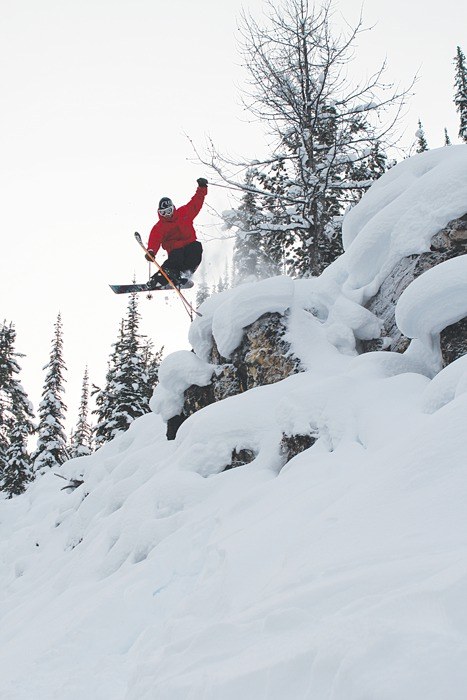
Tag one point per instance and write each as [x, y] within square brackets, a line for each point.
[96, 100]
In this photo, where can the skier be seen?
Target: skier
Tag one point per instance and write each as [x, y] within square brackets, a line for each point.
[176, 234]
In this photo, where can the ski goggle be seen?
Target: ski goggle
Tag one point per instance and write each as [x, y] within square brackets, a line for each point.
[167, 211]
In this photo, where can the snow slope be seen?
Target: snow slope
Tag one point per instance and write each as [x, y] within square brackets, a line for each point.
[341, 575]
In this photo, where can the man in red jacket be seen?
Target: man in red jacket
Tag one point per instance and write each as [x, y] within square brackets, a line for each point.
[175, 233]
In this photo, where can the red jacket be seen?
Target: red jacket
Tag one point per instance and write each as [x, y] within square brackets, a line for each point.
[177, 231]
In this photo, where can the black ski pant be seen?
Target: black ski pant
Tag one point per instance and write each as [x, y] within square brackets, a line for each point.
[180, 260]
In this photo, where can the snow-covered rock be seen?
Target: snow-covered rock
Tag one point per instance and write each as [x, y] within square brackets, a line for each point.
[261, 356]
[338, 572]
[401, 228]
[450, 242]
[400, 214]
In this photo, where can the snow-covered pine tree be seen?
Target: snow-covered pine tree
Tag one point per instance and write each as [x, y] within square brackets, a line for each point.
[51, 449]
[105, 400]
[4, 401]
[17, 472]
[281, 221]
[320, 122]
[247, 236]
[257, 253]
[132, 377]
[224, 280]
[202, 292]
[16, 419]
[460, 97]
[447, 140]
[366, 170]
[3, 442]
[81, 440]
[227, 275]
[422, 144]
[129, 381]
[152, 360]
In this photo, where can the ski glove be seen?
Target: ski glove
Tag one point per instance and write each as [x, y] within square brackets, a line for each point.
[202, 182]
[150, 253]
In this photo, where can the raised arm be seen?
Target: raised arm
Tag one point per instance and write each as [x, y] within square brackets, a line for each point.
[196, 202]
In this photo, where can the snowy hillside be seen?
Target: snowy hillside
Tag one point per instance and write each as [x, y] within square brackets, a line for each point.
[340, 574]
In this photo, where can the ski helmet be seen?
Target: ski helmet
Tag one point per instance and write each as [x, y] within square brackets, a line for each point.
[166, 207]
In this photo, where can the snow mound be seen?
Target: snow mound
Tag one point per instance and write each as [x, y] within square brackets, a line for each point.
[446, 386]
[159, 577]
[178, 371]
[400, 213]
[436, 299]
[226, 315]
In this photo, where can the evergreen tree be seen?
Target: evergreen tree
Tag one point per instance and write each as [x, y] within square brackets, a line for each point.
[17, 472]
[224, 280]
[202, 292]
[5, 417]
[132, 369]
[281, 223]
[366, 170]
[81, 440]
[257, 253]
[227, 281]
[16, 418]
[105, 398]
[152, 360]
[460, 98]
[51, 449]
[3, 444]
[422, 144]
[447, 140]
[131, 375]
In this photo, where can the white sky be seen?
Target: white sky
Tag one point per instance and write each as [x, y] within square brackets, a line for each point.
[95, 100]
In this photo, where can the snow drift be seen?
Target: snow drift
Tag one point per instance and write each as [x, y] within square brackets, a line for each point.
[341, 574]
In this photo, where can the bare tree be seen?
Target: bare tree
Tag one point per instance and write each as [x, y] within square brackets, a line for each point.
[329, 133]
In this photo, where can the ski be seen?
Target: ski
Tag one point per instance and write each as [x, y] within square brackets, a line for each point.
[129, 288]
[190, 310]
[144, 287]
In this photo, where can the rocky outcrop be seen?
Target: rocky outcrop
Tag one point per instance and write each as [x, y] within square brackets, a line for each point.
[448, 243]
[453, 340]
[263, 357]
[292, 445]
[240, 457]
